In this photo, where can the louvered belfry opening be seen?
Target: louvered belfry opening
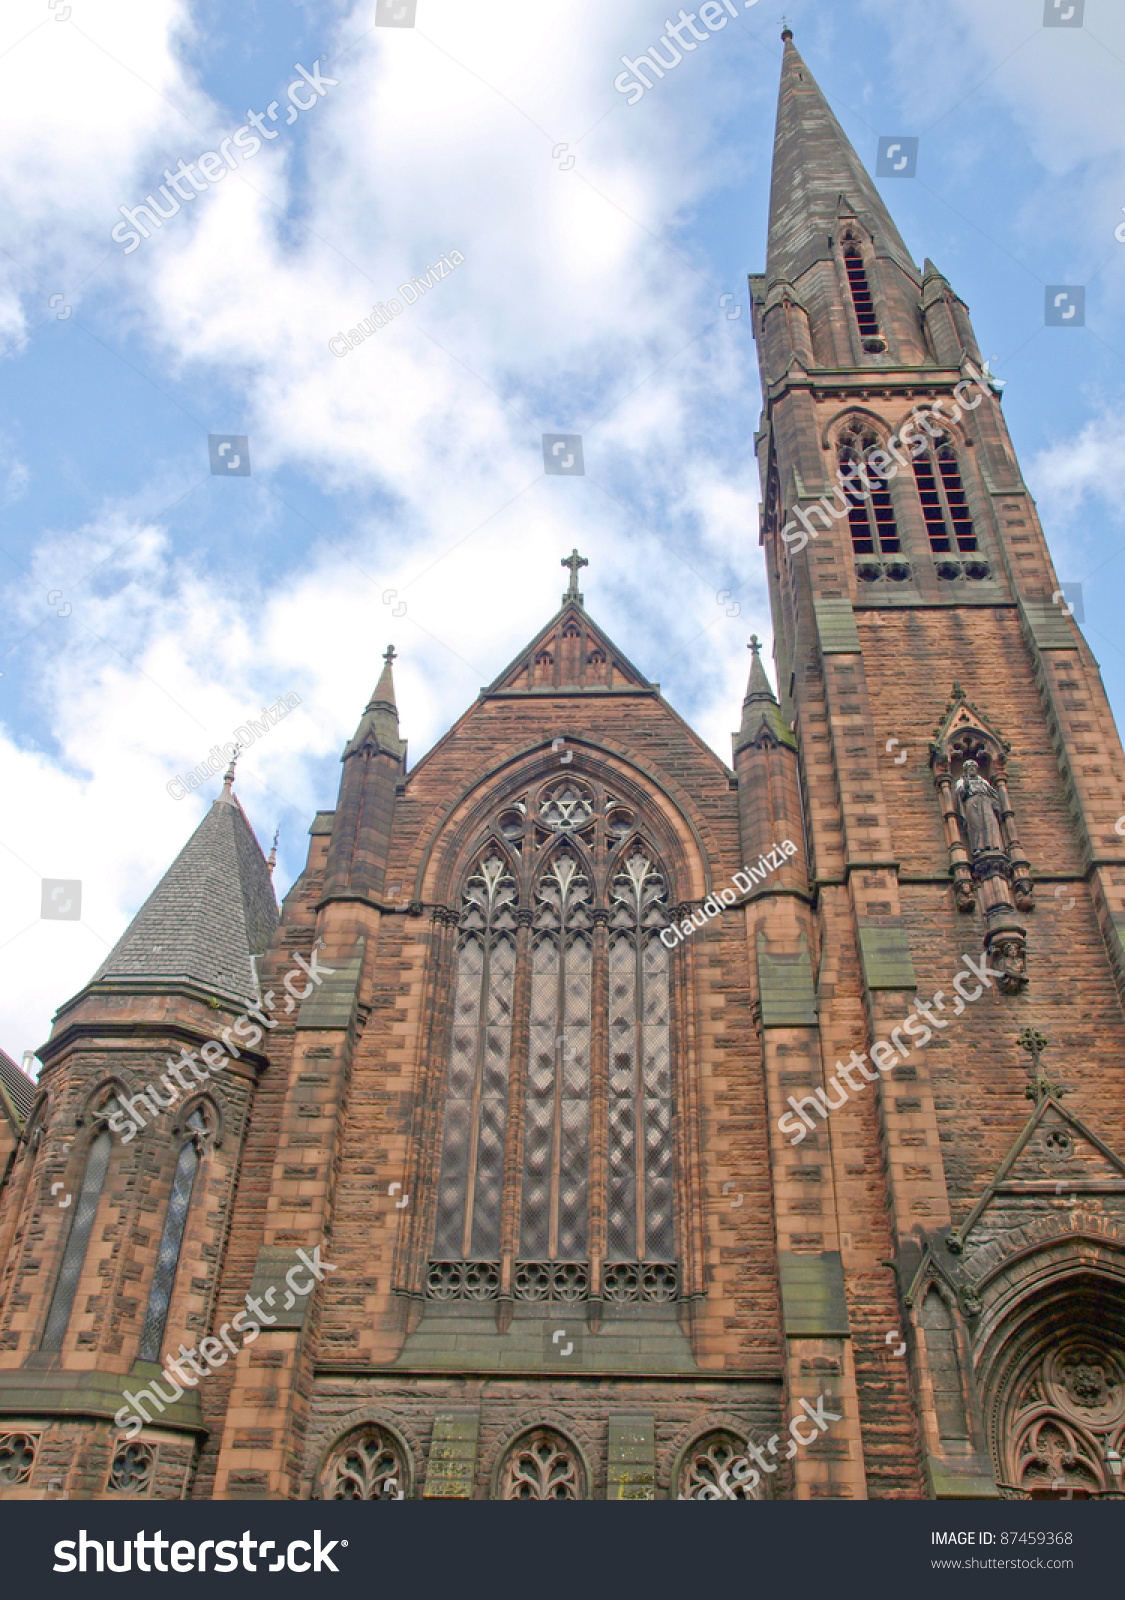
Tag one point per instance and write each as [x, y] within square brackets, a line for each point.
[871, 515]
[942, 494]
[557, 1138]
[861, 292]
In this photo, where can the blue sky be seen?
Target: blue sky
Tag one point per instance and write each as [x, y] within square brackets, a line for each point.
[599, 239]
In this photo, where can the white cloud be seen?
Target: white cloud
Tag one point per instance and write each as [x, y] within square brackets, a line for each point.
[575, 310]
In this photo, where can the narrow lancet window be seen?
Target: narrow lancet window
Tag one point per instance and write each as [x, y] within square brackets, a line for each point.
[171, 1241]
[78, 1239]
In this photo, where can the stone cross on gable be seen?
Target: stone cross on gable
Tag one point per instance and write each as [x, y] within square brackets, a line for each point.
[574, 561]
[1041, 1086]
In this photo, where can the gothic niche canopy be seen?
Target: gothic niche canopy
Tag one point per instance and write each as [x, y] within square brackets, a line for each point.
[986, 860]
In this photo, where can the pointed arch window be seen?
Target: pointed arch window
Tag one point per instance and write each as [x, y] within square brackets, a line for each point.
[561, 1005]
[171, 1242]
[639, 1206]
[557, 1116]
[472, 1166]
[944, 505]
[871, 515]
[77, 1242]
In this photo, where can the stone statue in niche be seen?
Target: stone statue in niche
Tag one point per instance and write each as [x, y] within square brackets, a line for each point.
[979, 806]
[989, 869]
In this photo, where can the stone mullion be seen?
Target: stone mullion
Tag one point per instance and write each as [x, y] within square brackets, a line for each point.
[598, 1141]
[517, 1106]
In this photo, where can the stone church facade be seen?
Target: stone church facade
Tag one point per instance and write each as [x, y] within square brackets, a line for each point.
[529, 1152]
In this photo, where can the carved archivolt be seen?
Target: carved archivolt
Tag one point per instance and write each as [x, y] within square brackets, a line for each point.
[1054, 1376]
[1064, 1422]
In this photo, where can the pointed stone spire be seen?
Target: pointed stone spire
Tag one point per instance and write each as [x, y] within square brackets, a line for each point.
[271, 860]
[815, 169]
[761, 713]
[379, 723]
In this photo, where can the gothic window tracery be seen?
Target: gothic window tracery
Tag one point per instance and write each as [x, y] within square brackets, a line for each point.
[944, 505]
[639, 1225]
[368, 1465]
[532, 1190]
[871, 516]
[542, 1465]
[556, 1126]
[132, 1468]
[1063, 1423]
[472, 1169]
[17, 1457]
[705, 1472]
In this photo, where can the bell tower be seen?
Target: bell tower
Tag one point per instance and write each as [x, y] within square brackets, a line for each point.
[960, 778]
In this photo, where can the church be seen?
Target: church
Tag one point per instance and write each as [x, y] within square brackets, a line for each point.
[598, 1120]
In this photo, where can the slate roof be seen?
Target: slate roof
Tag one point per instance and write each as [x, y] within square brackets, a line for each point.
[213, 909]
[17, 1092]
[813, 165]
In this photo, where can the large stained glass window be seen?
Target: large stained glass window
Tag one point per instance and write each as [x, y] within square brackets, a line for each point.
[557, 1176]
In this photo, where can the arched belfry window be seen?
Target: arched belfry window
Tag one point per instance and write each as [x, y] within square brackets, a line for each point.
[557, 1172]
[944, 505]
[871, 516]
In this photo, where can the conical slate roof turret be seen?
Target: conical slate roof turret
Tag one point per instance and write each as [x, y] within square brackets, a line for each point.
[210, 913]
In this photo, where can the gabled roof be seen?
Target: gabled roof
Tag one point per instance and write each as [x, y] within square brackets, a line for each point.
[570, 655]
[1083, 1162]
[213, 909]
[817, 179]
[17, 1092]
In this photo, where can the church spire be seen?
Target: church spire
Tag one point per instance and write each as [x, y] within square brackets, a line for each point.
[380, 718]
[760, 710]
[815, 173]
